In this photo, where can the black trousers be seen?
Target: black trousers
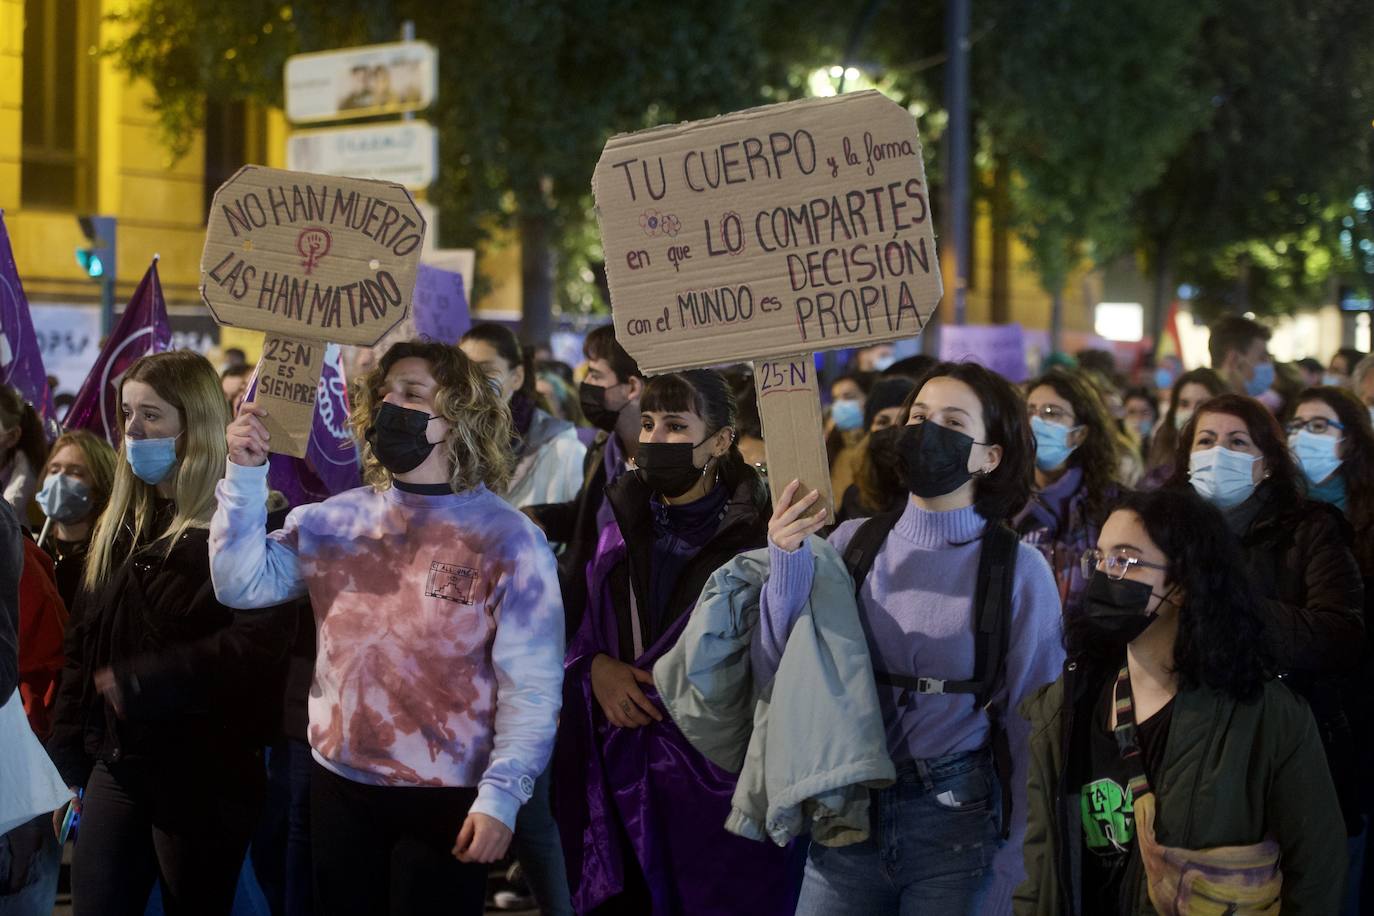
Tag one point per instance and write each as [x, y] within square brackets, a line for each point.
[388, 849]
[143, 821]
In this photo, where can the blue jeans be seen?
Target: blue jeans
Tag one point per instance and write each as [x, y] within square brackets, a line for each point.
[540, 851]
[934, 834]
[36, 892]
[281, 847]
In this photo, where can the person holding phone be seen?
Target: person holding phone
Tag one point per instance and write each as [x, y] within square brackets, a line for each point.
[167, 696]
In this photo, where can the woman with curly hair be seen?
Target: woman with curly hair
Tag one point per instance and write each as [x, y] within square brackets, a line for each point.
[436, 686]
[1077, 468]
[1167, 738]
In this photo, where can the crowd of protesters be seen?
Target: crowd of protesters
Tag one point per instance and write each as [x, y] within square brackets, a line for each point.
[1075, 645]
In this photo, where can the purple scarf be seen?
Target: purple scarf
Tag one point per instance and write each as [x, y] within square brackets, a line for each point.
[646, 792]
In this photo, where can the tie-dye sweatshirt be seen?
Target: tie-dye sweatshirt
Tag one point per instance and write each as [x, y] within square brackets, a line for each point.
[439, 624]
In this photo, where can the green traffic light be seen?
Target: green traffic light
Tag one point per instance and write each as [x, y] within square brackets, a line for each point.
[90, 262]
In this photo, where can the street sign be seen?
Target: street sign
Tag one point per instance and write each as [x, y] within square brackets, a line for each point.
[405, 152]
[361, 82]
[767, 235]
[308, 259]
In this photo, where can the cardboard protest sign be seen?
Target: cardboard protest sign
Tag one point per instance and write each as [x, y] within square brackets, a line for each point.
[307, 259]
[766, 235]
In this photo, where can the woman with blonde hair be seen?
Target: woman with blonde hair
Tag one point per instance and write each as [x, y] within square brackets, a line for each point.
[437, 681]
[80, 474]
[166, 697]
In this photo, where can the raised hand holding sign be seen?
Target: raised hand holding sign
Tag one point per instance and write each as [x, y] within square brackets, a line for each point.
[308, 259]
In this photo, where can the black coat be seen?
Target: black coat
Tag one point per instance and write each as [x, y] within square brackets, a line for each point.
[573, 524]
[742, 527]
[202, 684]
[1299, 560]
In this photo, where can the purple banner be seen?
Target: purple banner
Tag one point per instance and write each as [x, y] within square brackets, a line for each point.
[999, 347]
[330, 464]
[440, 305]
[142, 329]
[21, 361]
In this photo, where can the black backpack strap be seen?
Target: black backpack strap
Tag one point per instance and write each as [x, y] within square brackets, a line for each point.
[863, 547]
[996, 571]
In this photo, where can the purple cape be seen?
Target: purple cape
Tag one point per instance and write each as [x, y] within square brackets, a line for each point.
[646, 792]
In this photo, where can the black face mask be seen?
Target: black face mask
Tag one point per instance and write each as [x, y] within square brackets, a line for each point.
[593, 401]
[398, 440]
[667, 467]
[1114, 610]
[934, 459]
[885, 454]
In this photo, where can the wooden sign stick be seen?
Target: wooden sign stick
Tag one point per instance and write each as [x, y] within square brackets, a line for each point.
[790, 410]
[288, 376]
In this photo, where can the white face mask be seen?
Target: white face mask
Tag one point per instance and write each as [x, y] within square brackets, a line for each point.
[1181, 418]
[1222, 477]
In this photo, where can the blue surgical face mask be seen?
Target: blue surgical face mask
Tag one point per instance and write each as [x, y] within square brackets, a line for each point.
[881, 363]
[64, 499]
[1371, 413]
[1164, 379]
[1052, 447]
[1261, 381]
[1316, 455]
[151, 459]
[848, 415]
[1332, 380]
[1222, 477]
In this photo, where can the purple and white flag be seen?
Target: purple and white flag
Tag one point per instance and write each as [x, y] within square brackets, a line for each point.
[21, 361]
[330, 464]
[142, 329]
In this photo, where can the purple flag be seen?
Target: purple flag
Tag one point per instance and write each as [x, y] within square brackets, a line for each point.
[142, 329]
[440, 304]
[21, 362]
[330, 464]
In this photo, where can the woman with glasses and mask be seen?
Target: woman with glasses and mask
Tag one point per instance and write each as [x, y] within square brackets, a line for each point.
[1331, 437]
[436, 685]
[1186, 395]
[938, 842]
[1298, 559]
[1077, 467]
[642, 813]
[168, 696]
[1170, 772]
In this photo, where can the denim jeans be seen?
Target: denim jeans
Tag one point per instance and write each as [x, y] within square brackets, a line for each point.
[37, 845]
[281, 846]
[540, 851]
[934, 834]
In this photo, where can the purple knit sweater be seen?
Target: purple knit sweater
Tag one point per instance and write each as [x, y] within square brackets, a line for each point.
[917, 611]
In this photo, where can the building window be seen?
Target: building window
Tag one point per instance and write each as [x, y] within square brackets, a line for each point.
[235, 136]
[59, 81]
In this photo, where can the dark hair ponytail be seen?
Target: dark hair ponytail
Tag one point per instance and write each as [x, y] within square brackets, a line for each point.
[503, 340]
[706, 393]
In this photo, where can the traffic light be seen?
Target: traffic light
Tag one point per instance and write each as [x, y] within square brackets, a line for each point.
[97, 259]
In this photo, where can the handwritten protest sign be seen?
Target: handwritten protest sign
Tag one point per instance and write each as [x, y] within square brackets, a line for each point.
[767, 235]
[308, 259]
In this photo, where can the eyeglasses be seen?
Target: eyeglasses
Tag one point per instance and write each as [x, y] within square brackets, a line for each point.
[1317, 426]
[1052, 413]
[1115, 564]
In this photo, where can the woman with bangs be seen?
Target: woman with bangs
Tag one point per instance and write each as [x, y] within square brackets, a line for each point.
[167, 695]
[1077, 473]
[640, 810]
[440, 630]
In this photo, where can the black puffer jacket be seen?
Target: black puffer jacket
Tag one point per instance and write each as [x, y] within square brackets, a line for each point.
[1299, 559]
[202, 684]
